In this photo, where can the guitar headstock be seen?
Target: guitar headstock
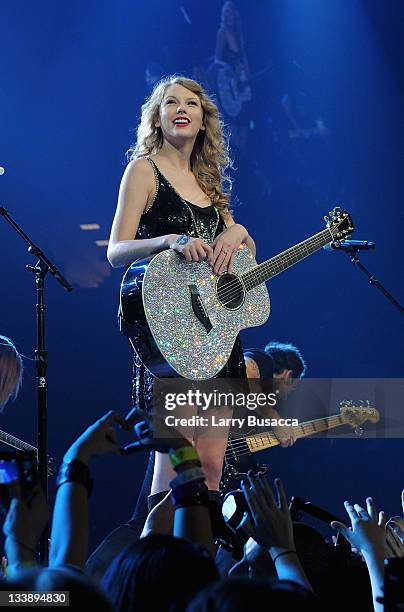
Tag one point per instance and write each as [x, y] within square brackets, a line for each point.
[339, 223]
[357, 414]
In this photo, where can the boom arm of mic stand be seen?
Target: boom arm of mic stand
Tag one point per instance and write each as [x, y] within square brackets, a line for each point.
[40, 270]
[354, 257]
[36, 251]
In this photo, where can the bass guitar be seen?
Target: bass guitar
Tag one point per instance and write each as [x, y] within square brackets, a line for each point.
[350, 414]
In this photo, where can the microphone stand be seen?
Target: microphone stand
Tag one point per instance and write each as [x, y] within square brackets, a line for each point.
[354, 257]
[41, 268]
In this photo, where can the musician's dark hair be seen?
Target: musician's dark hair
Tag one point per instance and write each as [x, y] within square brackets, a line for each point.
[286, 356]
[144, 575]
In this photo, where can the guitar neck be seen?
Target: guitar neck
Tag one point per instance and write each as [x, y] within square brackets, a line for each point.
[268, 439]
[270, 268]
[15, 442]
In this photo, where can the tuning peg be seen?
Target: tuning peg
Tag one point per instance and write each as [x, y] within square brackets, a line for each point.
[326, 218]
[337, 210]
[359, 431]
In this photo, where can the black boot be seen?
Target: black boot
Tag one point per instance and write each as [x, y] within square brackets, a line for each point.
[163, 520]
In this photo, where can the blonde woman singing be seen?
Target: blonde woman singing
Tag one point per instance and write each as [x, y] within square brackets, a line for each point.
[173, 195]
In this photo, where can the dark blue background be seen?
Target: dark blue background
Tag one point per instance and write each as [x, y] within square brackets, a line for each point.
[72, 82]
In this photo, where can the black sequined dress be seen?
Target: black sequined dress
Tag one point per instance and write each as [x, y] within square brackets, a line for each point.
[169, 213]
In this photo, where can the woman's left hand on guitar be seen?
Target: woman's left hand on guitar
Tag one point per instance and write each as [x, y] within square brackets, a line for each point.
[225, 247]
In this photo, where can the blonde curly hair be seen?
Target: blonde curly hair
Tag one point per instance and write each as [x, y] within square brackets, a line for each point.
[210, 156]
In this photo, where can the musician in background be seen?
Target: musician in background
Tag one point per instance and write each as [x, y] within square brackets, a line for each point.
[11, 369]
[277, 369]
[173, 195]
[232, 74]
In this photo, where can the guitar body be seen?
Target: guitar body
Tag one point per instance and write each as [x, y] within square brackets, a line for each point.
[232, 91]
[182, 319]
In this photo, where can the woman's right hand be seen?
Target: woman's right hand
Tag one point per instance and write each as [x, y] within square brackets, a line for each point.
[193, 249]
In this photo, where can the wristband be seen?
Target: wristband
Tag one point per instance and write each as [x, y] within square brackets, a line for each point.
[196, 488]
[182, 455]
[200, 499]
[285, 552]
[75, 471]
[192, 475]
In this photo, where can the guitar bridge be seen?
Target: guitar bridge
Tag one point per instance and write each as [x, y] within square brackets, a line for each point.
[199, 308]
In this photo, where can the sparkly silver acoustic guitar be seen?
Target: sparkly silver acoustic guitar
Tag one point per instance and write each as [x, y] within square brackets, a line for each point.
[183, 320]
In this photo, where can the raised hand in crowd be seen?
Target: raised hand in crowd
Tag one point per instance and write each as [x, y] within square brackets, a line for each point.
[367, 531]
[69, 538]
[270, 525]
[98, 439]
[23, 526]
[368, 535]
[152, 433]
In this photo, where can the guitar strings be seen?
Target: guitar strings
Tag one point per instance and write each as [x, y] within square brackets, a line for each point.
[239, 443]
[278, 260]
[230, 291]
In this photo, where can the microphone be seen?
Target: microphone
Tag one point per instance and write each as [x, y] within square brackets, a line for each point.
[2, 171]
[349, 246]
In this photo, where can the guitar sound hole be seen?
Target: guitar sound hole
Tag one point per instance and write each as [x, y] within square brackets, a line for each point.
[230, 291]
